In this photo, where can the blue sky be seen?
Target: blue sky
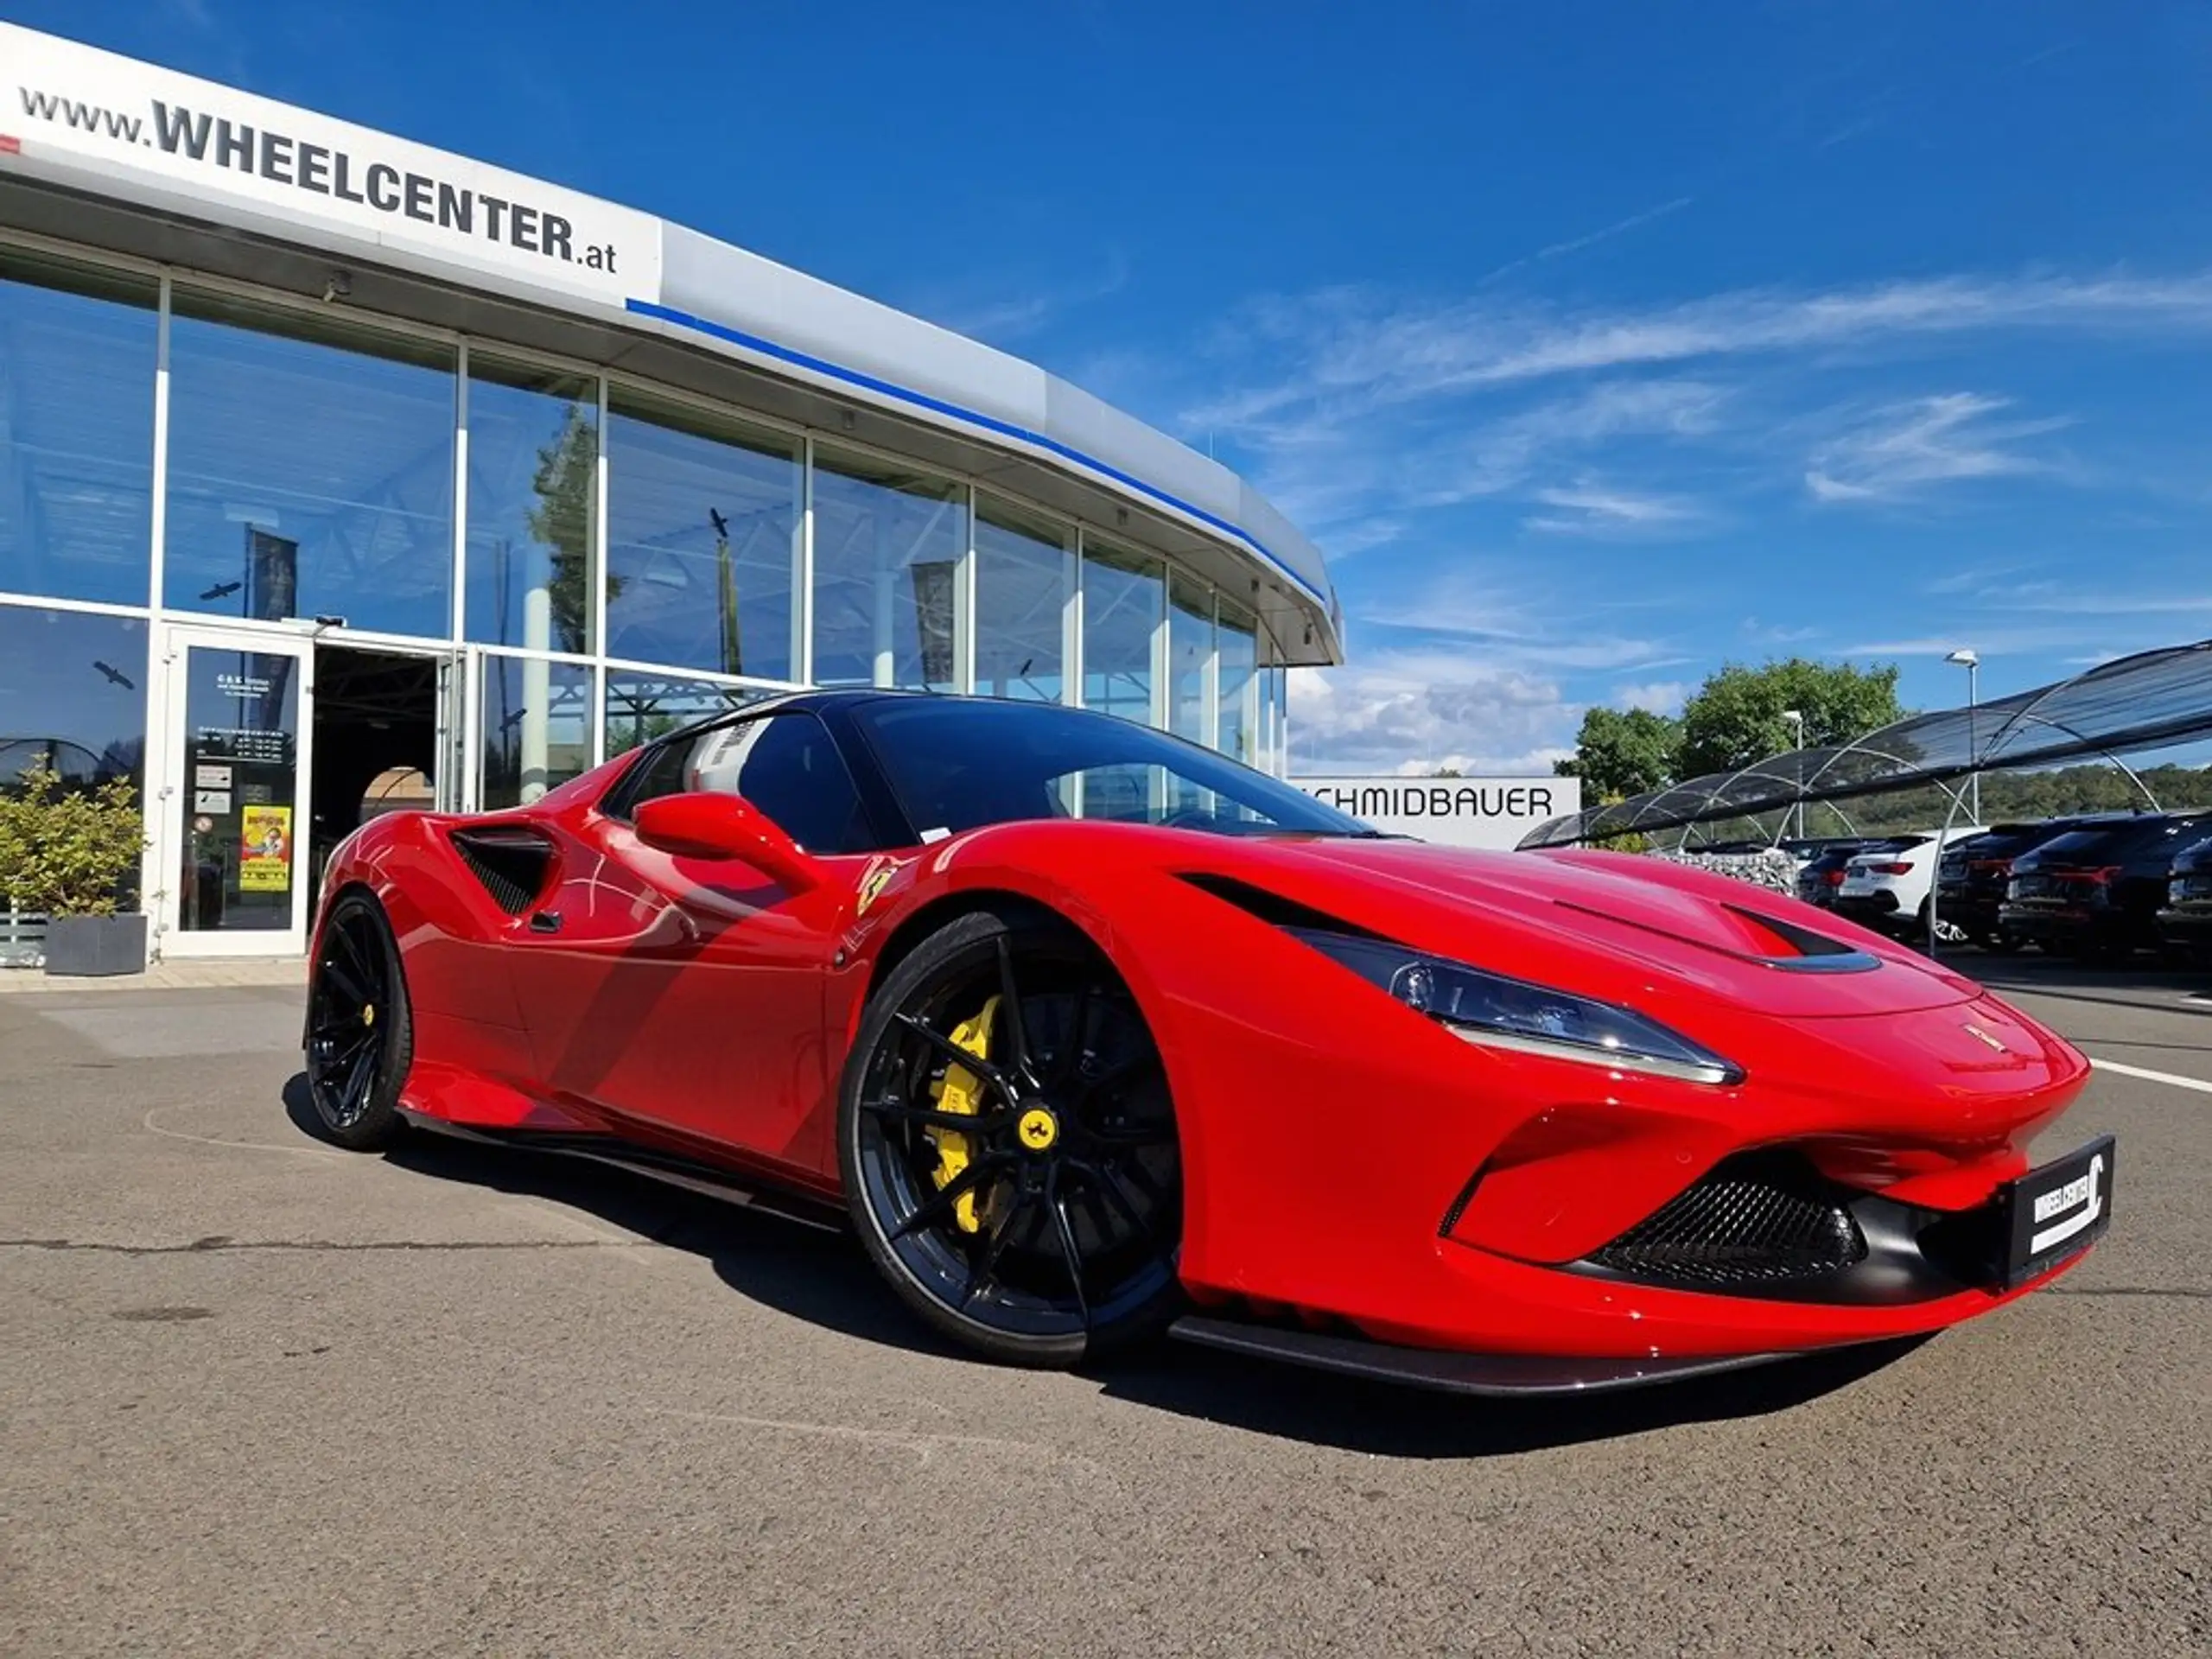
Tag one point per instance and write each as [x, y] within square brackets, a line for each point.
[1596, 345]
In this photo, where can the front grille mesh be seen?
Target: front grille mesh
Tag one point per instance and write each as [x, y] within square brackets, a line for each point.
[1762, 1222]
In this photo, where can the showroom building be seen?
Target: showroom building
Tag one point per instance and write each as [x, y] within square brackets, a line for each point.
[330, 457]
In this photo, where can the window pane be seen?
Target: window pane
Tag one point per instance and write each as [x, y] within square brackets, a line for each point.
[76, 431]
[1237, 638]
[1021, 582]
[310, 470]
[702, 536]
[642, 707]
[887, 544]
[533, 510]
[536, 729]
[1120, 608]
[788, 767]
[73, 694]
[1190, 651]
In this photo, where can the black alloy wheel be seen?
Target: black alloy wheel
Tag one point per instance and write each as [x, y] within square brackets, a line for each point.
[1026, 1200]
[360, 1032]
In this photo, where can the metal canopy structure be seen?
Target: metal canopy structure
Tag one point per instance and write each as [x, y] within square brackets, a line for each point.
[2153, 700]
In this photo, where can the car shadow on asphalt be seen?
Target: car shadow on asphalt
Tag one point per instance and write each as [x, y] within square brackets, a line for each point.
[823, 1277]
[810, 1273]
[1395, 1421]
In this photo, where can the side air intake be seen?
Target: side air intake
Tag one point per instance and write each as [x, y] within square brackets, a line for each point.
[512, 864]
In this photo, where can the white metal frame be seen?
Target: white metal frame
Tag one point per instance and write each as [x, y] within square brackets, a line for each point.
[174, 804]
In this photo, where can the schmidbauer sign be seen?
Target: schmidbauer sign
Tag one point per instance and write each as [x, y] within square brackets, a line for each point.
[73, 106]
[1492, 812]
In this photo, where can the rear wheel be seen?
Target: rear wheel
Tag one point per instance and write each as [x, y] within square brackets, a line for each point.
[360, 1032]
[1008, 1145]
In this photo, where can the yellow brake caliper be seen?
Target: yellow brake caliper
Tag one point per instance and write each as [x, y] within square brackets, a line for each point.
[960, 1093]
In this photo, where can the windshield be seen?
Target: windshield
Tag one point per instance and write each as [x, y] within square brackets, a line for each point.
[956, 764]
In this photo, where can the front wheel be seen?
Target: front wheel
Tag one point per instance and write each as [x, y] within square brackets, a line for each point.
[360, 1029]
[1008, 1145]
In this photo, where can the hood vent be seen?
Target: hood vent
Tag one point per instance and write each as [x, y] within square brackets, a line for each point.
[1801, 949]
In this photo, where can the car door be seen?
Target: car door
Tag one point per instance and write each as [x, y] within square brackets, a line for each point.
[686, 995]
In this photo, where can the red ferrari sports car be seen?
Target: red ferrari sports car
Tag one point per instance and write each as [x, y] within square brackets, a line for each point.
[1090, 1032]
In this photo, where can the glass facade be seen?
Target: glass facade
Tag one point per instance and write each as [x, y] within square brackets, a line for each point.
[536, 725]
[310, 470]
[703, 541]
[532, 507]
[73, 694]
[1236, 646]
[590, 562]
[1190, 660]
[77, 360]
[888, 545]
[1024, 566]
[1122, 595]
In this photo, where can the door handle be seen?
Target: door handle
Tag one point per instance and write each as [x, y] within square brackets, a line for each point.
[546, 921]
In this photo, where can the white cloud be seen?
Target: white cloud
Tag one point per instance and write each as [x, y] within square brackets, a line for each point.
[1415, 711]
[1774, 633]
[1587, 509]
[1469, 614]
[1904, 449]
[1370, 350]
[1634, 221]
[1660, 697]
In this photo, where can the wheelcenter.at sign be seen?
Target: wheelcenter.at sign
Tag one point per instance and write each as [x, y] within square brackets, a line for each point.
[1494, 812]
[73, 104]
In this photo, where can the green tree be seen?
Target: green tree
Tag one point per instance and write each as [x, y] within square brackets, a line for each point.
[1735, 718]
[1619, 752]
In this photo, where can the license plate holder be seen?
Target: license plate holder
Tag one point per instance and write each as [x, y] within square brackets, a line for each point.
[2054, 1213]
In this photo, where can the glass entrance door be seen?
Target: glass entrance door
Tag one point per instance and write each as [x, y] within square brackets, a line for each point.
[235, 808]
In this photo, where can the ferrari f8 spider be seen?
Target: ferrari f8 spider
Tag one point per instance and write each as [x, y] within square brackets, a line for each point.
[1090, 1033]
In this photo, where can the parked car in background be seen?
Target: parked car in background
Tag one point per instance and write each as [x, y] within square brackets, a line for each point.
[2185, 921]
[1887, 887]
[1971, 876]
[2096, 892]
[1821, 874]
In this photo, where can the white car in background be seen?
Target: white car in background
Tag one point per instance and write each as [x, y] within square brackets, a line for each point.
[1888, 889]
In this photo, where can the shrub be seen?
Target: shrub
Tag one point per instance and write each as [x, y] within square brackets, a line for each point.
[65, 851]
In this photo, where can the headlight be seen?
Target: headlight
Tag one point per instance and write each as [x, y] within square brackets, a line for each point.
[1512, 1013]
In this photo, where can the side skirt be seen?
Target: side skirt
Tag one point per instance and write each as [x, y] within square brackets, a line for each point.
[1502, 1375]
[690, 1174]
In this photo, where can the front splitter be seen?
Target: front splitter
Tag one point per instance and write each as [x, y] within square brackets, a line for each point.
[1521, 1375]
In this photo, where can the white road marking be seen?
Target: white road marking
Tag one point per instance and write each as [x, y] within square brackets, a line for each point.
[2197, 1084]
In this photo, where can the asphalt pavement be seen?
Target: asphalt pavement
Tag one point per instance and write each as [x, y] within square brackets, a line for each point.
[261, 1396]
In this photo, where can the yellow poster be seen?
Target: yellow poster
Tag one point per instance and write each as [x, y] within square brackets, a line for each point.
[266, 849]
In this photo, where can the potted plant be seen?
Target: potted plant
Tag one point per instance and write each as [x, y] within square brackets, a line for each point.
[66, 853]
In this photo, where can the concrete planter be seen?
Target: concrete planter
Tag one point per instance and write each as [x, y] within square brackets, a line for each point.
[81, 947]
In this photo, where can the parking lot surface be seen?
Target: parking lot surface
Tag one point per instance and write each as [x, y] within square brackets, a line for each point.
[261, 1396]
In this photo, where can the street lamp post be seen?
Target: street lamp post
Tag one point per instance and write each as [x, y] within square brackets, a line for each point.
[1797, 719]
[1966, 657]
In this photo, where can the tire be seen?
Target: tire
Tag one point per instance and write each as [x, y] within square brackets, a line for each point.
[1048, 1234]
[360, 1028]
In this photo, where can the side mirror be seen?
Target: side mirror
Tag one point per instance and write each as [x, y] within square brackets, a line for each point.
[707, 825]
